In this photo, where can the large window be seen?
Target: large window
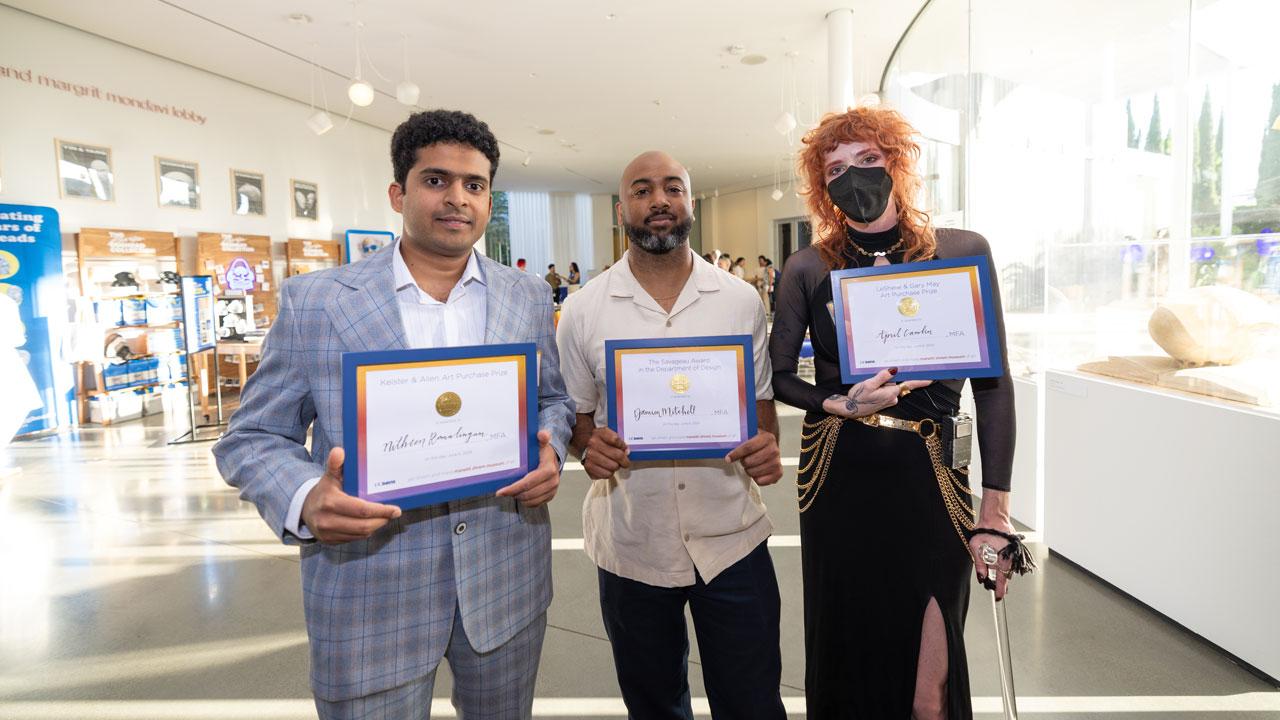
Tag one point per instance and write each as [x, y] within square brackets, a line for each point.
[1115, 155]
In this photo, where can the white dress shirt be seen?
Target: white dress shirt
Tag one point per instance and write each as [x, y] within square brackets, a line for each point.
[428, 323]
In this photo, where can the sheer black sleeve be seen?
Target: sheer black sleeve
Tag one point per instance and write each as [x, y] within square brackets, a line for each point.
[993, 397]
[801, 276]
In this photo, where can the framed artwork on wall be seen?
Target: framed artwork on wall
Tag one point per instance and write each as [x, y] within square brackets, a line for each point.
[84, 171]
[248, 190]
[178, 183]
[304, 194]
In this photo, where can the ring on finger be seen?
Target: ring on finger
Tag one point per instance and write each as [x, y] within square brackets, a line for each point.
[987, 554]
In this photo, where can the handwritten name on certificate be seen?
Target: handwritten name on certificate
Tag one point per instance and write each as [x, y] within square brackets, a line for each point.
[929, 319]
[681, 401]
[429, 428]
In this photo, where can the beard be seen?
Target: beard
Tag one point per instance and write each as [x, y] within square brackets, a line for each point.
[655, 244]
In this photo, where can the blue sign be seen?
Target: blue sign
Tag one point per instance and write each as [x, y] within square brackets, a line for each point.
[31, 275]
[363, 243]
[197, 312]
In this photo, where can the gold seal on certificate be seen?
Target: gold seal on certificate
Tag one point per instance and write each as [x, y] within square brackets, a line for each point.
[908, 307]
[448, 404]
[680, 383]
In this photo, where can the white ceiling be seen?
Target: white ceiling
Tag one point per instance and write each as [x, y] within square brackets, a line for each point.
[528, 65]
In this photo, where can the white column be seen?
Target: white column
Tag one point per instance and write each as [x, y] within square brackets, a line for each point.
[840, 60]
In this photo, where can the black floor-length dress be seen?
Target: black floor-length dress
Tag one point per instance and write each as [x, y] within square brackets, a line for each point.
[878, 544]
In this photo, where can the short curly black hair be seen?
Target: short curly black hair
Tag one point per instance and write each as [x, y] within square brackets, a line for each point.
[440, 126]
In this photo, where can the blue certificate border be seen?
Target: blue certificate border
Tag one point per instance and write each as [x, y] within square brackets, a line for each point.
[749, 374]
[994, 367]
[351, 361]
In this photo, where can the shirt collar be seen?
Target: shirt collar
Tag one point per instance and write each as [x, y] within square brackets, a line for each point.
[404, 278]
[622, 283]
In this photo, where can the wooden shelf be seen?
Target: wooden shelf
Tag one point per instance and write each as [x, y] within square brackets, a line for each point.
[98, 393]
[132, 296]
[143, 326]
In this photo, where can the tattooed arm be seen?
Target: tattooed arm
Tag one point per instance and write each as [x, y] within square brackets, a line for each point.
[870, 396]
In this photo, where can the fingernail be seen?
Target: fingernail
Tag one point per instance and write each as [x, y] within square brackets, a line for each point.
[726, 459]
[893, 371]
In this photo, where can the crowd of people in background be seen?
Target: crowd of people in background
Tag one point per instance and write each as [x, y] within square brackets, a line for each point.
[765, 279]
[561, 285]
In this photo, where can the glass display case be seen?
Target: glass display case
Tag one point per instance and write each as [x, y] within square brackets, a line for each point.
[1118, 157]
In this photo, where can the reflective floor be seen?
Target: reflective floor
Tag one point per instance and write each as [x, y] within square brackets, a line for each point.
[135, 585]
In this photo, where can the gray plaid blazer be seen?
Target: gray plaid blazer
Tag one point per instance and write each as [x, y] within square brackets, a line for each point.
[379, 611]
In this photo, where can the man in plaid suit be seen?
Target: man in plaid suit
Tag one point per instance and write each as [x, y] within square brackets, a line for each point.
[388, 594]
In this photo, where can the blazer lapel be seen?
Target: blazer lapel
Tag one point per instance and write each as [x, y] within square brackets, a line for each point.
[365, 314]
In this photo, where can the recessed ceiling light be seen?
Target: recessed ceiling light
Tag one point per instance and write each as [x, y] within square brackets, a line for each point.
[533, 75]
[300, 18]
[735, 49]
[546, 131]
[754, 60]
[610, 16]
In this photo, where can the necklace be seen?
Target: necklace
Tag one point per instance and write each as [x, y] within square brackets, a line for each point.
[878, 253]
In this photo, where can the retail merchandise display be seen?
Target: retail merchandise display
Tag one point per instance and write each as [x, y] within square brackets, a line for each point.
[304, 256]
[234, 318]
[130, 304]
[240, 265]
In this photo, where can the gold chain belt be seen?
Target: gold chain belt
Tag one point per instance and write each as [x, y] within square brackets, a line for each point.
[826, 432]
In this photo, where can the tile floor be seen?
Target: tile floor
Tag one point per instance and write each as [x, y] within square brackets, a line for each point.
[135, 585]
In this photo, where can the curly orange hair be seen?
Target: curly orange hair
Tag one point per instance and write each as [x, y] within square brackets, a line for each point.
[889, 131]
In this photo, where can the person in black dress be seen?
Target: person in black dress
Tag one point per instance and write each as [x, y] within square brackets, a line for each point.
[887, 534]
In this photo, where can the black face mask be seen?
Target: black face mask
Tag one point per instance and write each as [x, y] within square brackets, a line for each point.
[862, 194]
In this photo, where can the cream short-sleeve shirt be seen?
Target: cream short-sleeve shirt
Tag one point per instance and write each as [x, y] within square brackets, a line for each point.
[659, 522]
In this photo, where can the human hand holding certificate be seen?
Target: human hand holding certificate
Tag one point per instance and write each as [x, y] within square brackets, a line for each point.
[426, 426]
[928, 319]
[681, 398]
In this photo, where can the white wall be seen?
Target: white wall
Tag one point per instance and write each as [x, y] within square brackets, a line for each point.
[741, 222]
[246, 129]
[602, 219]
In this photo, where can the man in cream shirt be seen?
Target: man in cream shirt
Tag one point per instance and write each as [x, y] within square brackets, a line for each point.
[667, 534]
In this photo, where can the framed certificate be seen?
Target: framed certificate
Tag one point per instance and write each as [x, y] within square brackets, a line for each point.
[681, 398]
[424, 426]
[931, 320]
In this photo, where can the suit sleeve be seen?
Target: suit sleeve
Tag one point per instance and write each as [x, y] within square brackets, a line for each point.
[264, 452]
[555, 408]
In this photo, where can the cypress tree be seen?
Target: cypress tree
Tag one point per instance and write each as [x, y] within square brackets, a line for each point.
[1268, 189]
[1155, 133]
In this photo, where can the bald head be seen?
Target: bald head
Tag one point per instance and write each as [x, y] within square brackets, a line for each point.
[654, 166]
[655, 204]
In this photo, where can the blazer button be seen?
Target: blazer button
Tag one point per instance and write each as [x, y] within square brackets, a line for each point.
[460, 528]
